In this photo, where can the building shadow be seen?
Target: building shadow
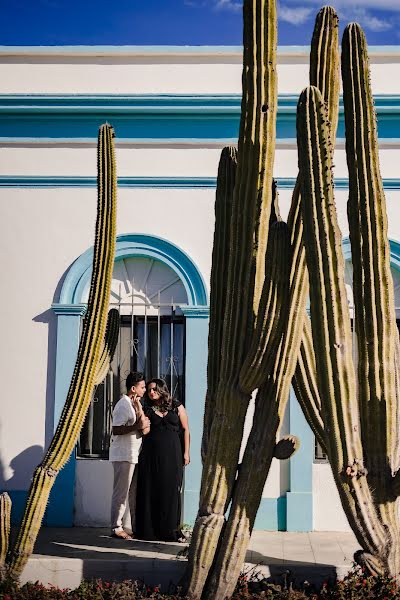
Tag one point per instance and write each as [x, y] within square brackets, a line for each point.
[49, 318]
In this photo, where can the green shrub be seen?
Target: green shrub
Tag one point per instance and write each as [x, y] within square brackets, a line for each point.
[356, 586]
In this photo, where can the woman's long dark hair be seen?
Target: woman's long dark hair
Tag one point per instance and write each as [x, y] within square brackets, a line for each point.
[165, 399]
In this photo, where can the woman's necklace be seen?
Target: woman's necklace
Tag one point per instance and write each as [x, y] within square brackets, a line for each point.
[161, 408]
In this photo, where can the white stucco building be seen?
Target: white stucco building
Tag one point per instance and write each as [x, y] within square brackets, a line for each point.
[173, 109]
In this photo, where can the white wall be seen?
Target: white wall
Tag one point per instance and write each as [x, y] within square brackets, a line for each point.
[42, 231]
[167, 74]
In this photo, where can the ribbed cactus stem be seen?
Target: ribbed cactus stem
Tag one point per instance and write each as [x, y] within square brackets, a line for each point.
[269, 328]
[218, 281]
[331, 324]
[375, 318]
[82, 383]
[269, 409]
[5, 525]
[325, 62]
[250, 222]
[108, 346]
[329, 312]
[324, 74]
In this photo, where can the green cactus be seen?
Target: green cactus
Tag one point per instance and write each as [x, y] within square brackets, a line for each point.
[246, 266]
[356, 409]
[86, 368]
[5, 516]
[218, 281]
[267, 356]
[108, 346]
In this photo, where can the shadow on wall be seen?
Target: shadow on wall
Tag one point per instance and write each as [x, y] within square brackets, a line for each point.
[49, 318]
[21, 467]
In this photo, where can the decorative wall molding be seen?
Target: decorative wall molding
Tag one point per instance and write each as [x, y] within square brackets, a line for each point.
[155, 117]
[26, 181]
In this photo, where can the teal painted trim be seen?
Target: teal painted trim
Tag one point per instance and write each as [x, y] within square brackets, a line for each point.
[69, 309]
[123, 182]
[196, 312]
[24, 181]
[271, 515]
[299, 499]
[195, 393]
[154, 104]
[78, 278]
[151, 117]
[61, 505]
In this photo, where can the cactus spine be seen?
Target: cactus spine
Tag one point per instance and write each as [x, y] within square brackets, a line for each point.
[83, 378]
[357, 408]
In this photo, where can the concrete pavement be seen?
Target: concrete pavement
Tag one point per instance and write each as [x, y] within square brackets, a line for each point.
[63, 557]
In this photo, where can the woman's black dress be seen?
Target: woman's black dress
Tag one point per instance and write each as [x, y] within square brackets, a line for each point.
[158, 502]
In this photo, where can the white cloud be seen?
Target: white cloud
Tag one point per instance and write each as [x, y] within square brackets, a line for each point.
[232, 5]
[296, 15]
[367, 19]
[393, 5]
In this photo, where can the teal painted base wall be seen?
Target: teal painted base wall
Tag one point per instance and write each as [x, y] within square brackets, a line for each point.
[271, 515]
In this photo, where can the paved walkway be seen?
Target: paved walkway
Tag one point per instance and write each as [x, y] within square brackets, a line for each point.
[64, 557]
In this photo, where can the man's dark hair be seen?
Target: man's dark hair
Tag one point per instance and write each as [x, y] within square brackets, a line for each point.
[133, 378]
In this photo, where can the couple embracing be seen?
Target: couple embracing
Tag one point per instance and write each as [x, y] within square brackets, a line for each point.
[148, 459]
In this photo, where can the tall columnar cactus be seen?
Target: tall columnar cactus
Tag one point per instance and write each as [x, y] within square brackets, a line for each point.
[219, 279]
[246, 265]
[266, 356]
[357, 407]
[87, 363]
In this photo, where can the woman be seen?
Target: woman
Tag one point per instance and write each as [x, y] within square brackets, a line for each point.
[161, 461]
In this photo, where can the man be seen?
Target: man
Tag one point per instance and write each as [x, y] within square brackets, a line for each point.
[128, 423]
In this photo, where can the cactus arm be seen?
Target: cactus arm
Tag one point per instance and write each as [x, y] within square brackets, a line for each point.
[264, 44]
[109, 345]
[306, 387]
[329, 312]
[325, 62]
[331, 325]
[5, 525]
[270, 325]
[375, 320]
[82, 382]
[324, 74]
[218, 282]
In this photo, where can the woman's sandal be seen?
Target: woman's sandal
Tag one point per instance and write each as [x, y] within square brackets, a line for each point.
[122, 535]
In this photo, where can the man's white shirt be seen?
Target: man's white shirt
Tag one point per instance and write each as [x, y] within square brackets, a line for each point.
[125, 447]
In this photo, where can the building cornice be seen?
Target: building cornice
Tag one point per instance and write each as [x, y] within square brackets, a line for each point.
[163, 51]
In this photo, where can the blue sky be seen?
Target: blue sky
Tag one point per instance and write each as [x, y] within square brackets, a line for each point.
[177, 22]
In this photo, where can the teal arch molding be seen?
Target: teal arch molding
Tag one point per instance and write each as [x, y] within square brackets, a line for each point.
[149, 246]
[69, 310]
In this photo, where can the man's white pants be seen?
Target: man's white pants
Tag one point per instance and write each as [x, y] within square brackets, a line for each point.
[124, 491]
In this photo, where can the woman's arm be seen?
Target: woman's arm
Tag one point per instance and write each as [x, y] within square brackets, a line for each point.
[186, 433]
